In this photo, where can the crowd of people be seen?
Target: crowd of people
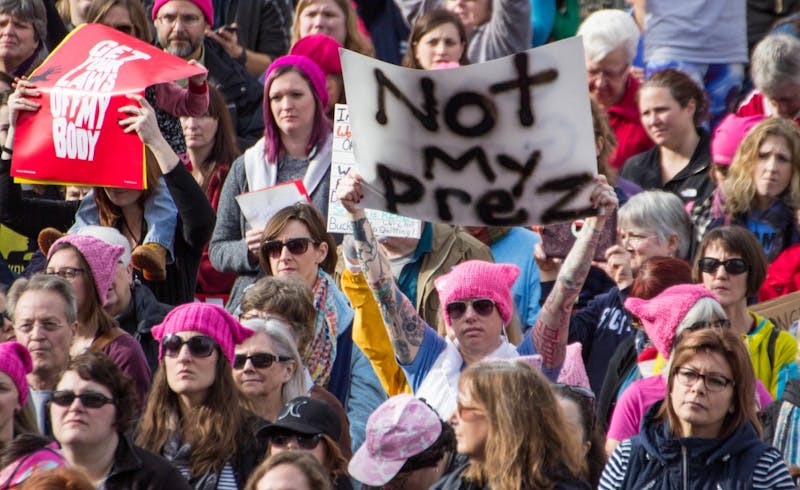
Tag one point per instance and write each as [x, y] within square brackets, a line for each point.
[157, 339]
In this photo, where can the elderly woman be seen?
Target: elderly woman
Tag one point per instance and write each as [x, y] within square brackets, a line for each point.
[23, 26]
[610, 41]
[267, 367]
[93, 409]
[706, 429]
[775, 70]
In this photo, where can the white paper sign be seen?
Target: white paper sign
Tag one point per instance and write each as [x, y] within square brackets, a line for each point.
[506, 142]
[258, 207]
[342, 163]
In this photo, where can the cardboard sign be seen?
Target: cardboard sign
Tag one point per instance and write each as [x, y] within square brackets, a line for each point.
[781, 311]
[342, 163]
[258, 207]
[75, 137]
[502, 143]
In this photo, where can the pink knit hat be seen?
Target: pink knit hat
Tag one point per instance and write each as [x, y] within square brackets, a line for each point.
[660, 316]
[573, 371]
[207, 319]
[204, 5]
[400, 428]
[101, 257]
[309, 67]
[322, 50]
[479, 279]
[15, 361]
[729, 134]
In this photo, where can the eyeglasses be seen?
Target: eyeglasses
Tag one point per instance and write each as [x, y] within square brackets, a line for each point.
[482, 306]
[304, 441]
[732, 266]
[260, 360]
[295, 246]
[188, 20]
[594, 74]
[634, 240]
[199, 345]
[713, 382]
[89, 399]
[468, 414]
[68, 273]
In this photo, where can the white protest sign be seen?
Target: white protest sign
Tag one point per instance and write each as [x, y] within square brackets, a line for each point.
[506, 142]
[258, 207]
[342, 163]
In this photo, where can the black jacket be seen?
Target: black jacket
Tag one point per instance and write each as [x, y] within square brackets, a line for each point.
[455, 481]
[142, 314]
[138, 469]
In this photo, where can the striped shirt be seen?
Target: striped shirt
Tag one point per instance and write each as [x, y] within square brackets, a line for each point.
[227, 478]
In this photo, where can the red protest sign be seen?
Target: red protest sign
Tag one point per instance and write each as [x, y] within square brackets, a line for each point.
[75, 137]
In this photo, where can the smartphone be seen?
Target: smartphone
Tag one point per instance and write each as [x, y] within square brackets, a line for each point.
[557, 240]
[230, 28]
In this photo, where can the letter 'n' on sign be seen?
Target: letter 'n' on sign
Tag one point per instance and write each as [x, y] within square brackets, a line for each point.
[506, 142]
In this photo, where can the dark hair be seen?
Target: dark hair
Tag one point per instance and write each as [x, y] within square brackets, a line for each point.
[313, 220]
[657, 274]
[225, 148]
[433, 454]
[682, 88]
[108, 213]
[596, 457]
[97, 367]
[740, 241]
[427, 22]
[21, 446]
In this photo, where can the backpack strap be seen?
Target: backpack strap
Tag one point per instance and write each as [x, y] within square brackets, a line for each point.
[773, 338]
[102, 341]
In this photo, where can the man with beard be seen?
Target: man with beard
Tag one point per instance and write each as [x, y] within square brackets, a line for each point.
[180, 29]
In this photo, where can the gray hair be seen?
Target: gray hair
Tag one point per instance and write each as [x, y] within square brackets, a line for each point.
[111, 236]
[660, 212]
[280, 333]
[775, 62]
[45, 282]
[607, 30]
[704, 310]
[32, 11]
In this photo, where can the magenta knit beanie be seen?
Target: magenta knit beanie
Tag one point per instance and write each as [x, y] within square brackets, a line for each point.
[660, 316]
[204, 5]
[15, 361]
[307, 66]
[322, 50]
[479, 279]
[728, 135]
[101, 257]
[206, 319]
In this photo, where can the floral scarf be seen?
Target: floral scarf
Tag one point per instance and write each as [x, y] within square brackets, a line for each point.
[321, 351]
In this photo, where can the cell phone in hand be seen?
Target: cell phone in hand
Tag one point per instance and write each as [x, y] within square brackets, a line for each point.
[230, 28]
[558, 239]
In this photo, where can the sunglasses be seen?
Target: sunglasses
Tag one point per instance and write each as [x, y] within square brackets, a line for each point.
[468, 414]
[295, 246]
[89, 399]
[457, 309]
[732, 266]
[199, 345]
[304, 441]
[260, 360]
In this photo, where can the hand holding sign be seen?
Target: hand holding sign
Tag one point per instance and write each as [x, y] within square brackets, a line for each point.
[19, 101]
[142, 119]
[350, 193]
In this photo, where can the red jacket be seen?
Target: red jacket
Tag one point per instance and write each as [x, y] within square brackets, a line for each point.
[632, 139]
[755, 105]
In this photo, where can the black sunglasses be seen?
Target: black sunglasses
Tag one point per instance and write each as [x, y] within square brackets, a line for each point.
[732, 266]
[260, 360]
[89, 399]
[295, 246]
[457, 309]
[305, 441]
[199, 345]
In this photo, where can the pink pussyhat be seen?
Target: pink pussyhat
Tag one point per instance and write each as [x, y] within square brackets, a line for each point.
[478, 279]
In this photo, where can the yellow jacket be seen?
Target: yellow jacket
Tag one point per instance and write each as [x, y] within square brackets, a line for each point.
[784, 356]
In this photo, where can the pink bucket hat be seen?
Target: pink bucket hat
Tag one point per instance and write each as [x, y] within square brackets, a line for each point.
[101, 257]
[660, 316]
[204, 5]
[402, 427]
[15, 361]
[478, 279]
[729, 134]
[207, 319]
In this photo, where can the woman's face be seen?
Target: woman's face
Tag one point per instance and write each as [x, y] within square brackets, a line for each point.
[257, 382]
[324, 17]
[471, 425]
[729, 289]
[284, 477]
[663, 118]
[199, 132]
[320, 452]
[78, 425]
[442, 44]
[643, 244]
[9, 401]
[66, 263]
[188, 375]
[304, 266]
[119, 18]
[292, 104]
[77, 10]
[608, 78]
[702, 411]
[772, 173]
[334, 85]
[123, 197]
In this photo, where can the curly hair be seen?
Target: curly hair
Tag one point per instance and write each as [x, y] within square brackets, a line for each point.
[739, 188]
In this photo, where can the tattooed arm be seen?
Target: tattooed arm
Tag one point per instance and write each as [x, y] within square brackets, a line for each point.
[552, 325]
[405, 327]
